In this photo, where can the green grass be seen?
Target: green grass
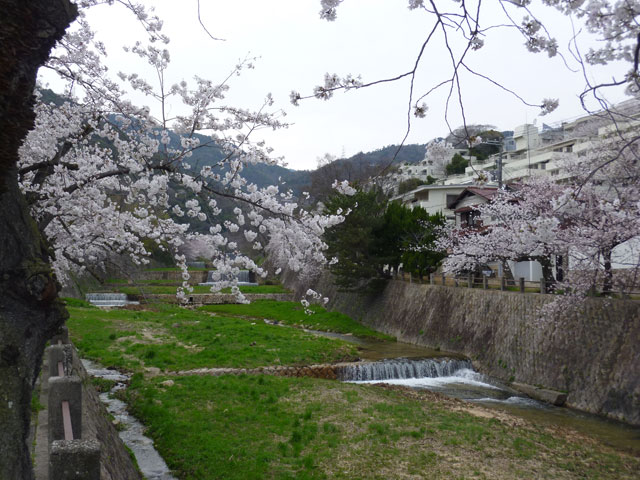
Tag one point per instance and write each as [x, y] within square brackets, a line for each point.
[254, 427]
[36, 406]
[174, 338]
[155, 289]
[292, 313]
[139, 282]
[76, 302]
[102, 384]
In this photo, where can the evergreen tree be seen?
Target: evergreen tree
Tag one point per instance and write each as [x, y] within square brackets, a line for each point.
[377, 236]
[457, 165]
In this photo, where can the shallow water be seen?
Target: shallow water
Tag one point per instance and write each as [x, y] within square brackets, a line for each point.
[373, 350]
[151, 464]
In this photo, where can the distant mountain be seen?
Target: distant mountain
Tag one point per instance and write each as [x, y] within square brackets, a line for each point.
[385, 155]
[360, 167]
[356, 168]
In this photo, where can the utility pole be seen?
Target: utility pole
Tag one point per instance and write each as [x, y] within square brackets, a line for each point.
[500, 169]
[500, 146]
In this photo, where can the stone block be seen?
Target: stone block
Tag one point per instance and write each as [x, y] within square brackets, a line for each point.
[74, 460]
[59, 353]
[542, 394]
[64, 389]
[61, 336]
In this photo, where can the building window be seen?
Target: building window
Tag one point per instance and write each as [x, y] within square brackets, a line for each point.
[470, 219]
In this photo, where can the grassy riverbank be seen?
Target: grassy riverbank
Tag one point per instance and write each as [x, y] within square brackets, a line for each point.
[258, 426]
[172, 338]
[281, 428]
[292, 313]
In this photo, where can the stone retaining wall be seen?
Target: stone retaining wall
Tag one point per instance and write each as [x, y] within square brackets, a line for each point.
[198, 276]
[593, 355]
[215, 298]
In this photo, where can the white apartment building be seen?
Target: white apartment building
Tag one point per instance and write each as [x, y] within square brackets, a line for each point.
[433, 198]
[533, 151]
[428, 167]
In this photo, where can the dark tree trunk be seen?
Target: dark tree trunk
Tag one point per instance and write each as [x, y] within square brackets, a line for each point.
[547, 273]
[560, 267]
[30, 311]
[607, 286]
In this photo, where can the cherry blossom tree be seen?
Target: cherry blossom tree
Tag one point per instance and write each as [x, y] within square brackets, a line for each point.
[439, 154]
[99, 171]
[98, 175]
[518, 224]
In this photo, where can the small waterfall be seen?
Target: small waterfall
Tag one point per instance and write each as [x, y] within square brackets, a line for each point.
[402, 368]
[245, 277]
[107, 299]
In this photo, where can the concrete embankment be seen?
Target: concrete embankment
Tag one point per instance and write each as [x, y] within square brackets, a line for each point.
[212, 298]
[593, 355]
[115, 462]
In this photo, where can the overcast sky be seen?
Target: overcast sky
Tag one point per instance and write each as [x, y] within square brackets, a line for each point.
[373, 38]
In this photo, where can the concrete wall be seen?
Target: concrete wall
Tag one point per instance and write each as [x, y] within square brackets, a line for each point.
[115, 462]
[197, 276]
[593, 355]
[214, 298]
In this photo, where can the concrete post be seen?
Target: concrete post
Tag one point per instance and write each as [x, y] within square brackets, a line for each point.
[470, 280]
[59, 353]
[64, 389]
[431, 279]
[61, 336]
[503, 283]
[521, 284]
[485, 282]
[74, 460]
[444, 279]
[410, 278]
[543, 286]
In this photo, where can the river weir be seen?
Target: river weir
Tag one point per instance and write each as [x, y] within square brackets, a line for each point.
[108, 299]
[403, 369]
[151, 464]
[244, 278]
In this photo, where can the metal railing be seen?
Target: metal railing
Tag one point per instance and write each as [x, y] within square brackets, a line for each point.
[503, 284]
